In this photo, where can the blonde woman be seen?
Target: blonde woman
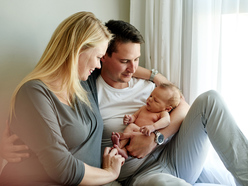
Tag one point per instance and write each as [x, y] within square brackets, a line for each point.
[54, 112]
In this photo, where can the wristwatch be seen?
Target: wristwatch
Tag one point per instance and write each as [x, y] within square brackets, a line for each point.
[159, 138]
[154, 72]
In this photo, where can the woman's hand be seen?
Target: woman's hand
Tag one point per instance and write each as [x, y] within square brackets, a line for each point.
[112, 161]
[110, 171]
[8, 150]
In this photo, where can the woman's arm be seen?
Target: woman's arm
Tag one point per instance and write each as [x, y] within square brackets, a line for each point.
[111, 160]
[39, 126]
[110, 169]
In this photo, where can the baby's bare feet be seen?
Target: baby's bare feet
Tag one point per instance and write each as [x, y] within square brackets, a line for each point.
[115, 138]
[122, 152]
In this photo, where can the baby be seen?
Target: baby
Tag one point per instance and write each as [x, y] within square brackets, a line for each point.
[152, 116]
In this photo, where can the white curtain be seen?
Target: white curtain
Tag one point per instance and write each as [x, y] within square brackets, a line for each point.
[198, 45]
[162, 34]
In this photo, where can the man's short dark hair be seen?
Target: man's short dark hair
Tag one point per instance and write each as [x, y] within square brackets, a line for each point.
[123, 33]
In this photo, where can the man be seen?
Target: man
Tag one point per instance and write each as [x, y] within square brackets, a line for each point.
[185, 154]
[119, 94]
[182, 156]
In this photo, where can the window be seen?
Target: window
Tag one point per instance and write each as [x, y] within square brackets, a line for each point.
[234, 66]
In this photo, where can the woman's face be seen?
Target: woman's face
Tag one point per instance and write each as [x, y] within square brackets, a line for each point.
[89, 59]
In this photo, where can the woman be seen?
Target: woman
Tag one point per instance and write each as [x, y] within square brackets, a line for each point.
[56, 115]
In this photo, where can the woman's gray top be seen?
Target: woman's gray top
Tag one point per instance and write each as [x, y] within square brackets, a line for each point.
[61, 139]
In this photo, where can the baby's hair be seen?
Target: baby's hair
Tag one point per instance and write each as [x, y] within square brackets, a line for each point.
[177, 94]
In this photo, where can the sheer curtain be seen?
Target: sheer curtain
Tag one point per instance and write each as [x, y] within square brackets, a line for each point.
[162, 31]
[198, 45]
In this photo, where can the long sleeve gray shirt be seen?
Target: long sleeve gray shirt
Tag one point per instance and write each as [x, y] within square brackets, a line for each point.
[61, 139]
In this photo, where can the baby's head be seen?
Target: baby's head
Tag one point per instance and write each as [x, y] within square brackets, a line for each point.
[173, 94]
[164, 97]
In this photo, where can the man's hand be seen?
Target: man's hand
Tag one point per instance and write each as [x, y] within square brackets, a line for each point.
[140, 145]
[8, 150]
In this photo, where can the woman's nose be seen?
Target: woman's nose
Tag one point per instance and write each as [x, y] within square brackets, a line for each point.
[98, 65]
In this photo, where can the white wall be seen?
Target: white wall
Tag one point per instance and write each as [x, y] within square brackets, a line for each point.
[137, 20]
[25, 29]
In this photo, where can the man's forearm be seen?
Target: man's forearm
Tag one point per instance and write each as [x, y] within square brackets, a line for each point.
[177, 116]
[162, 123]
[143, 73]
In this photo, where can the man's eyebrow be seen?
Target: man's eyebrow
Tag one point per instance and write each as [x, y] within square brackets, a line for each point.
[128, 59]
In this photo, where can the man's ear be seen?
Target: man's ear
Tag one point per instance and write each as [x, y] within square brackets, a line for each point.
[103, 58]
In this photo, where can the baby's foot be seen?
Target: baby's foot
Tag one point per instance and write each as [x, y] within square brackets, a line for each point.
[122, 152]
[115, 138]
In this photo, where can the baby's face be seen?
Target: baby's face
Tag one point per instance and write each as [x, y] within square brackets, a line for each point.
[158, 100]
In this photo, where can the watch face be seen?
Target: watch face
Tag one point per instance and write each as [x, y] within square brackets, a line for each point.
[160, 139]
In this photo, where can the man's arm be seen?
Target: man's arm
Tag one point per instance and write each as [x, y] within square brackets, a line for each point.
[143, 73]
[177, 116]
[141, 145]
[9, 151]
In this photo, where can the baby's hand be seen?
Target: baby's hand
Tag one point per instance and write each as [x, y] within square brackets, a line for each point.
[147, 130]
[127, 119]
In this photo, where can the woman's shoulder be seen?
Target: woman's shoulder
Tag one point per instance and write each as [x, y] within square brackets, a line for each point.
[34, 91]
[33, 86]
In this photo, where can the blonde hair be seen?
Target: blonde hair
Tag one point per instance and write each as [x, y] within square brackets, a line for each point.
[75, 34]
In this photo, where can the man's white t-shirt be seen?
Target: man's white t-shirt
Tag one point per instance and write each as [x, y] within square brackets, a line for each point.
[114, 104]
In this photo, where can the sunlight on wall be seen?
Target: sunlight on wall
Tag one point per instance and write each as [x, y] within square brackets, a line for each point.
[235, 66]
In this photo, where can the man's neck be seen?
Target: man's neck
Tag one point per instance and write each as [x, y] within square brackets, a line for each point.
[114, 84]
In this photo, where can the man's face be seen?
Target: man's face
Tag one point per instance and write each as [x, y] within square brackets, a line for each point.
[118, 69]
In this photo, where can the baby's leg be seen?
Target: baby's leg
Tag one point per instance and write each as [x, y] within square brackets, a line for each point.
[116, 142]
[129, 129]
[120, 144]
